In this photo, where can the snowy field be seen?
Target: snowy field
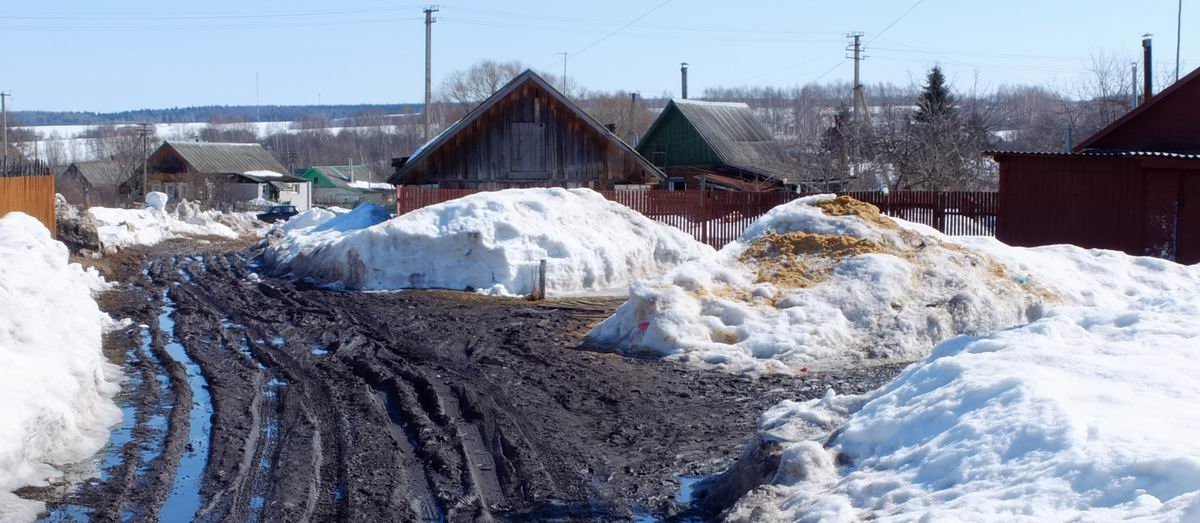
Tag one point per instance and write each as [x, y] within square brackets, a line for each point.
[819, 283]
[76, 148]
[490, 242]
[121, 228]
[56, 386]
[1086, 413]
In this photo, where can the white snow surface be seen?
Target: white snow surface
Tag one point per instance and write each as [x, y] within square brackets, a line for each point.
[491, 242]
[55, 384]
[1087, 413]
[375, 186]
[264, 174]
[714, 311]
[122, 228]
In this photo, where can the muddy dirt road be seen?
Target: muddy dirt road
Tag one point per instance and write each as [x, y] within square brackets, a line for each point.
[259, 399]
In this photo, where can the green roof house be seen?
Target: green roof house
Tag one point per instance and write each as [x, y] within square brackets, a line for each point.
[346, 185]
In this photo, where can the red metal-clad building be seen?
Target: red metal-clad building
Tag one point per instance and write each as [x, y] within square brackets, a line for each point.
[1134, 186]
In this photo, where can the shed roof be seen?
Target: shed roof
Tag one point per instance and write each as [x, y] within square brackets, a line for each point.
[734, 134]
[340, 177]
[101, 173]
[225, 158]
[514, 84]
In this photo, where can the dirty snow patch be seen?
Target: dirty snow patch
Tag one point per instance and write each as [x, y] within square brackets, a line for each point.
[818, 283]
[1086, 414]
[122, 228]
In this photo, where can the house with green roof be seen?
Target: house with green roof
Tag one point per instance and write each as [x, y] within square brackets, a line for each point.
[346, 185]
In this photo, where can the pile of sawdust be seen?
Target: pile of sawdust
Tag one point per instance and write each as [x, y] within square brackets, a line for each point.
[801, 259]
[847, 206]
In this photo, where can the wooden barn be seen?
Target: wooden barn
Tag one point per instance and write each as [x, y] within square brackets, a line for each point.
[95, 183]
[1134, 186]
[223, 173]
[526, 135]
[715, 145]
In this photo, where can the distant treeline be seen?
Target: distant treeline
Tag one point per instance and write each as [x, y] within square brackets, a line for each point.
[209, 113]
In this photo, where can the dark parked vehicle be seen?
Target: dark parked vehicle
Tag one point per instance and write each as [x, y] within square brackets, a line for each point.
[278, 213]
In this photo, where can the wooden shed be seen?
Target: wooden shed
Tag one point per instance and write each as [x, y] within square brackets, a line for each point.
[527, 134]
[716, 145]
[1134, 186]
[95, 183]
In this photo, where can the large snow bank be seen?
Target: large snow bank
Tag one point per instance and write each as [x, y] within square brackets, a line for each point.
[819, 282]
[55, 386]
[1086, 414]
[121, 228]
[491, 242]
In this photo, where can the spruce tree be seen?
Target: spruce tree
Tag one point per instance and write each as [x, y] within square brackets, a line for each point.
[935, 102]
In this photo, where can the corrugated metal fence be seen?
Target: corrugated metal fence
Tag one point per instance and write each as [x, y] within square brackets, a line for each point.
[32, 195]
[718, 217]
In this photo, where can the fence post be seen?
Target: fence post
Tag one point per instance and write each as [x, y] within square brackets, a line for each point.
[539, 284]
[939, 212]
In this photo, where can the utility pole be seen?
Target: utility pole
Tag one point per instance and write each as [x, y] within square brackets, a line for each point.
[429, 20]
[257, 103]
[1178, 30]
[1133, 100]
[859, 98]
[564, 55]
[144, 132]
[4, 110]
[632, 112]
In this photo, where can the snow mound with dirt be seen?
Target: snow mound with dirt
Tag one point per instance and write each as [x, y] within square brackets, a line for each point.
[1085, 414]
[121, 228]
[489, 242]
[55, 384]
[820, 282]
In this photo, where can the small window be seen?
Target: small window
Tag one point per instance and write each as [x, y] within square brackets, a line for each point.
[676, 184]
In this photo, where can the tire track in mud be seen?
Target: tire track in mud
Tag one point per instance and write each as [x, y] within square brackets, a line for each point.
[410, 406]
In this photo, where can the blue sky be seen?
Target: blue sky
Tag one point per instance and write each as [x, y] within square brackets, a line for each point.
[126, 54]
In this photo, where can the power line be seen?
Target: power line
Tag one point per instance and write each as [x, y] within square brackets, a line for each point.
[622, 28]
[894, 22]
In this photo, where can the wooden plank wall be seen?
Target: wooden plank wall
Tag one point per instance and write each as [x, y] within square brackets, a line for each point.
[32, 195]
[719, 217]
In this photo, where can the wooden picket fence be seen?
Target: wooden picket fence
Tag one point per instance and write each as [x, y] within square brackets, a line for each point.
[32, 195]
[719, 217]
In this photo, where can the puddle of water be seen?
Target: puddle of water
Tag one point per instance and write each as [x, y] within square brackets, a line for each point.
[64, 513]
[184, 500]
[687, 489]
[319, 350]
[157, 421]
[278, 341]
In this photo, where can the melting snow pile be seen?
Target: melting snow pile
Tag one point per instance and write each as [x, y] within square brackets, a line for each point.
[1086, 414]
[490, 242]
[55, 385]
[120, 228]
[819, 282]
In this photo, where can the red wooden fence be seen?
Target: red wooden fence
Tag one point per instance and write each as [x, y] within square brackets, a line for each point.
[719, 217]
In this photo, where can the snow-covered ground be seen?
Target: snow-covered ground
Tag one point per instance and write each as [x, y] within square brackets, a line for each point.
[56, 388]
[817, 283]
[1087, 413]
[491, 242]
[121, 228]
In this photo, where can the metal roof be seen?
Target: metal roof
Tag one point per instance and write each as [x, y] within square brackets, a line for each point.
[509, 88]
[339, 176]
[1126, 154]
[261, 177]
[225, 158]
[344, 172]
[101, 173]
[734, 134]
